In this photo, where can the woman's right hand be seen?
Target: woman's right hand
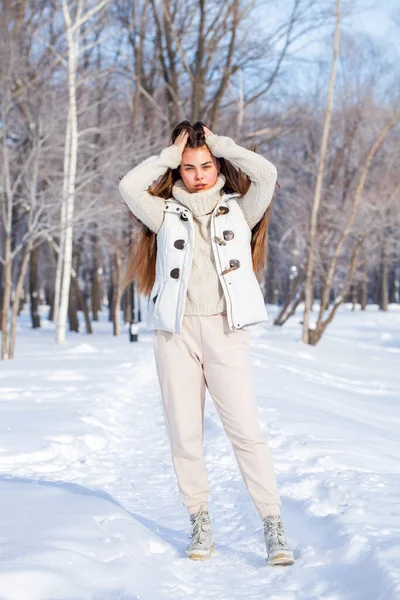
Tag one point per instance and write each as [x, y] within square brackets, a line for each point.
[181, 140]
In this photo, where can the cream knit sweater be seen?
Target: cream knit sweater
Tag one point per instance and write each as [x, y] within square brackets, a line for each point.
[205, 295]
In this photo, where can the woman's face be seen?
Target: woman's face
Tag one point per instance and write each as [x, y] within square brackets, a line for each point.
[199, 169]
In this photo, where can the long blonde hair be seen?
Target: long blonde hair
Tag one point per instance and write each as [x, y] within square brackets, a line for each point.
[143, 252]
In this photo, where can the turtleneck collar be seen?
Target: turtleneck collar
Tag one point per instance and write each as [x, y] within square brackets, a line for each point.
[199, 203]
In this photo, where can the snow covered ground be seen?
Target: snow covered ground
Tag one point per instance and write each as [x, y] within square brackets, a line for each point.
[88, 500]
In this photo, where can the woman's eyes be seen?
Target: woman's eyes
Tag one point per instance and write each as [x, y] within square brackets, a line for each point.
[191, 168]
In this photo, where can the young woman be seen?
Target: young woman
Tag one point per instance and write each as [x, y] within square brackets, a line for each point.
[203, 207]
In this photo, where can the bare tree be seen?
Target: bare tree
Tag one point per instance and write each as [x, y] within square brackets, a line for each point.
[308, 290]
[22, 140]
[73, 27]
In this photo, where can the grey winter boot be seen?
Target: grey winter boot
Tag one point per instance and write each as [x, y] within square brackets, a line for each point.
[202, 542]
[278, 550]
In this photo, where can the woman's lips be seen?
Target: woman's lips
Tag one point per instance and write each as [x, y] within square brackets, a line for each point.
[200, 185]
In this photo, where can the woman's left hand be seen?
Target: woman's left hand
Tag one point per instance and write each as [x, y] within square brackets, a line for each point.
[207, 131]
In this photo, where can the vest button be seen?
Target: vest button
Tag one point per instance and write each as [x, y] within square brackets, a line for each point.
[228, 235]
[179, 244]
[175, 273]
[184, 217]
[234, 264]
[222, 210]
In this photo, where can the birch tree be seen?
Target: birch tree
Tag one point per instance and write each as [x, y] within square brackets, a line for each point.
[73, 28]
[308, 290]
[322, 320]
[21, 150]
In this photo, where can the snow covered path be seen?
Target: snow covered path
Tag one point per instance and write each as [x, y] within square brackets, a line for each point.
[89, 500]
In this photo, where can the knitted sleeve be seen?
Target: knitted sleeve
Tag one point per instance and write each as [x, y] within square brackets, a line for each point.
[262, 173]
[134, 186]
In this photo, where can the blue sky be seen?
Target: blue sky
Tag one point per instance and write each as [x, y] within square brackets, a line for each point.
[361, 19]
[375, 18]
[378, 21]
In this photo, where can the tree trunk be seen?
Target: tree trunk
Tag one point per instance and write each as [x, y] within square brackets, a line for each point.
[81, 304]
[7, 209]
[1, 291]
[392, 284]
[364, 291]
[67, 255]
[227, 66]
[70, 161]
[282, 318]
[384, 296]
[296, 286]
[269, 282]
[60, 254]
[34, 288]
[22, 301]
[17, 296]
[354, 295]
[397, 284]
[73, 310]
[127, 306]
[322, 324]
[52, 307]
[364, 285]
[111, 297]
[48, 295]
[198, 86]
[6, 295]
[308, 289]
[97, 284]
[117, 291]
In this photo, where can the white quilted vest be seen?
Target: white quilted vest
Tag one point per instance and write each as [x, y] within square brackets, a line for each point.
[230, 239]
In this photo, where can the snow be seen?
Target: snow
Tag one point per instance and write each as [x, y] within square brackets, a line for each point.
[88, 498]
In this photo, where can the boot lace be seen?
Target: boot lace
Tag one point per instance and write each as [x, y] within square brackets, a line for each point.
[273, 528]
[197, 521]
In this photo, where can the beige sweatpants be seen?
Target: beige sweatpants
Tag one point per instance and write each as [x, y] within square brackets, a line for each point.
[208, 353]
